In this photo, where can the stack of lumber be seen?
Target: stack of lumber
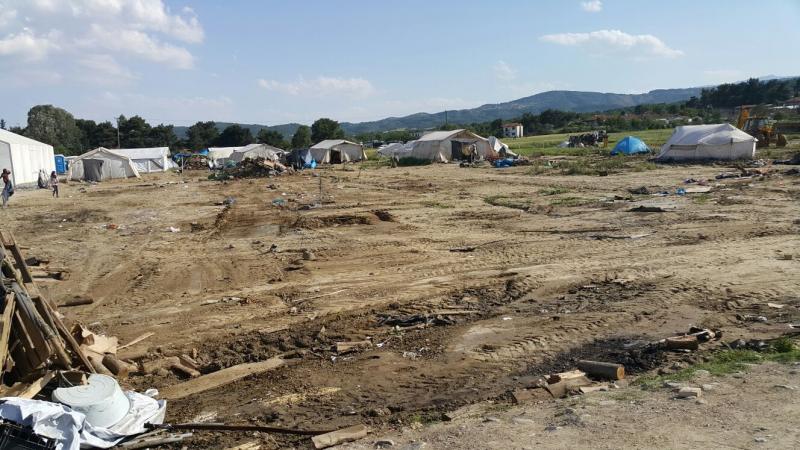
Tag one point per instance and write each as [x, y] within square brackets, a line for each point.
[34, 341]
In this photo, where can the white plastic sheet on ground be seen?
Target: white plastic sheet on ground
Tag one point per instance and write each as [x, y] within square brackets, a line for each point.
[70, 428]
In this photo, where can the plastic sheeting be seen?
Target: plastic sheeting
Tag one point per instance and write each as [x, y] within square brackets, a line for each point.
[70, 428]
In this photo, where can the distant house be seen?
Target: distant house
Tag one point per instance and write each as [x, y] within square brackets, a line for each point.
[337, 151]
[512, 130]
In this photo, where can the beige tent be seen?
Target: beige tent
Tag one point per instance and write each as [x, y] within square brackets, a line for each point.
[444, 146]
[101, 164]
[253, 151]
[335, 151]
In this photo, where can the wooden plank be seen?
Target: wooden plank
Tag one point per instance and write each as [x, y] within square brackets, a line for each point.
[219, 378]
[9, 243]
[5, 332]
[55, 342]
[340, 436]
[72, 344]
[136, 340]
[29, 390]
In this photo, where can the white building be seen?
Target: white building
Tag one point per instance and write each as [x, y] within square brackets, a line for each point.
[512, 130]
[24, 157]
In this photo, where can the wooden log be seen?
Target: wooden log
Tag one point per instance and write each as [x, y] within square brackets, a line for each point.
[5, 331]
[77, 301]
[187, 371]
[97, 364]
[9, 243]
[605, 370]
[120, 369]
[556, 377]
[219, 378]
[346, 347]
[682, 343]
[340, 436]
[53, 340]
[189, 362]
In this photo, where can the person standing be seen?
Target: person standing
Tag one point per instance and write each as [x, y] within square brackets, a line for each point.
[8, 187]
[54, 183]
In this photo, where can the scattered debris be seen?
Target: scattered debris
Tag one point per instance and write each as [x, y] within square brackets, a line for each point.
[647, 209]
[340, 436]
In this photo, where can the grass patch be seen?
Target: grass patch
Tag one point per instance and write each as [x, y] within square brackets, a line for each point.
[782, 350]
[435, 204]
[508, 202]
[701, 199]
[570, 201]
[553, 190]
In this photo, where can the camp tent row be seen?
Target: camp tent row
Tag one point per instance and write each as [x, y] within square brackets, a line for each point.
[25, 157]
[101, 164]
[445, 146]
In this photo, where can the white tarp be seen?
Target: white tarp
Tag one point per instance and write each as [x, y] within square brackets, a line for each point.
[25, 157]
[704, 142]
[218, 155]
[101, 164]
[148, 160]
[70, 428]
[441, 145]
[337, 151]
[253, 151]
[396, 149]
[501, 148]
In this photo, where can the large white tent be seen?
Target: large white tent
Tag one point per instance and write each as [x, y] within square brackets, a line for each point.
[253, 151]
[101, 164]
[25, 157]
[707, 142]
[397, 149]
[444, 146]
[149, 160]
[335, 151]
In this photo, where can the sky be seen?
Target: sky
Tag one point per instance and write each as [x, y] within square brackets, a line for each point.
[273, 62]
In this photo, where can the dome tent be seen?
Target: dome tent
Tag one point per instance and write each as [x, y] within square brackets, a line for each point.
[630, 145]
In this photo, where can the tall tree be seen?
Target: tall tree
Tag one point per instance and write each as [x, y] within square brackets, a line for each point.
[163, 136]
[271, 137]
[302, 137]
[134, 132]
[201, 135]
[2, 124]
[54, 126]
[326, 129]
[234, 136]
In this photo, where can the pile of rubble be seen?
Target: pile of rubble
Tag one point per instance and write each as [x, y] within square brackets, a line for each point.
[195, 162]
[253, 168]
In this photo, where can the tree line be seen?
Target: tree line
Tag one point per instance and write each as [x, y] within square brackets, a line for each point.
[71, 136]
[750, 92]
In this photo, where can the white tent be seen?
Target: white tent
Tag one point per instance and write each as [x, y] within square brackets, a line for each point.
[699, 142]
[149, 160]
[335, 151]
[101, 164]
[253, 151]
[444, 146]
[500, 148]
[397, 149]
[24, 157]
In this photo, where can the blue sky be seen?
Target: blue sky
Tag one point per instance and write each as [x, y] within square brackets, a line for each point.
[274, 62]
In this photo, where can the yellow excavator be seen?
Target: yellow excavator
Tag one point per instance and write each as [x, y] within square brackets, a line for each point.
[762, 128]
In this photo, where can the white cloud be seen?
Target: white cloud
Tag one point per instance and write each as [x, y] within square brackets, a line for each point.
[592, 6]
[104, 69]
[604, 40]
[321, 86]
[138, 43]
[504, 72]
[146, 30]
[27, 45]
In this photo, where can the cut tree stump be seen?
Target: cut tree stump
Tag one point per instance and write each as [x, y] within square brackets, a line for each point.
[682, 343]
[605, 370]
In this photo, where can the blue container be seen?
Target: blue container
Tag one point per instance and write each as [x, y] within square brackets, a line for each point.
[61, 164]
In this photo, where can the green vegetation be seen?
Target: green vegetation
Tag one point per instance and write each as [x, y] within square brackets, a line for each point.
[571, 201]
[435, 204]
[547, 145]
[782, 350]
[508, 202]
[553, 190]
[599, 166]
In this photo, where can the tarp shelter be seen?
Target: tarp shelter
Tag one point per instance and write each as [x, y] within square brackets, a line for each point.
[25, 157]
[101, 164]
[500, 148]
[444, 146]
[630, 145]
[149, 160]
[218, 155]
[335, 151]
[708, 142]
[253, 151]
[397, 149]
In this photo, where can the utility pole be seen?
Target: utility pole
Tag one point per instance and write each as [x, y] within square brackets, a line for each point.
[118, 146]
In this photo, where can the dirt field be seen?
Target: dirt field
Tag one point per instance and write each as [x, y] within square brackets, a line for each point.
[556, 268]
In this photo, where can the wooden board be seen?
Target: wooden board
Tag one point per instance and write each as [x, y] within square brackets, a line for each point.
[5, 329]
[219, 378]
[29, 390]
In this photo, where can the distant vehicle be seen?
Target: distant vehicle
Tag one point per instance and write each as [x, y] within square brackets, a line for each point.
[762, 128]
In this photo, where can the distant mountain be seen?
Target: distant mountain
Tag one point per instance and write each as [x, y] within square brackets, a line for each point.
[287, 130]
[576, 101]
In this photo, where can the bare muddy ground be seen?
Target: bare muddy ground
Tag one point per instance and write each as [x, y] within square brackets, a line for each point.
[464, 280]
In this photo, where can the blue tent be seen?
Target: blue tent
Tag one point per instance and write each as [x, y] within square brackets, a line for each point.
[630, 145]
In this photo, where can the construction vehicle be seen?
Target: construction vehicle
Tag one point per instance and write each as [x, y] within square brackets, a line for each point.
[762, 128]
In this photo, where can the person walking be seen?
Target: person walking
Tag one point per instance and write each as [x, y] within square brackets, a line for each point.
[8, 187]
[54, 183]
